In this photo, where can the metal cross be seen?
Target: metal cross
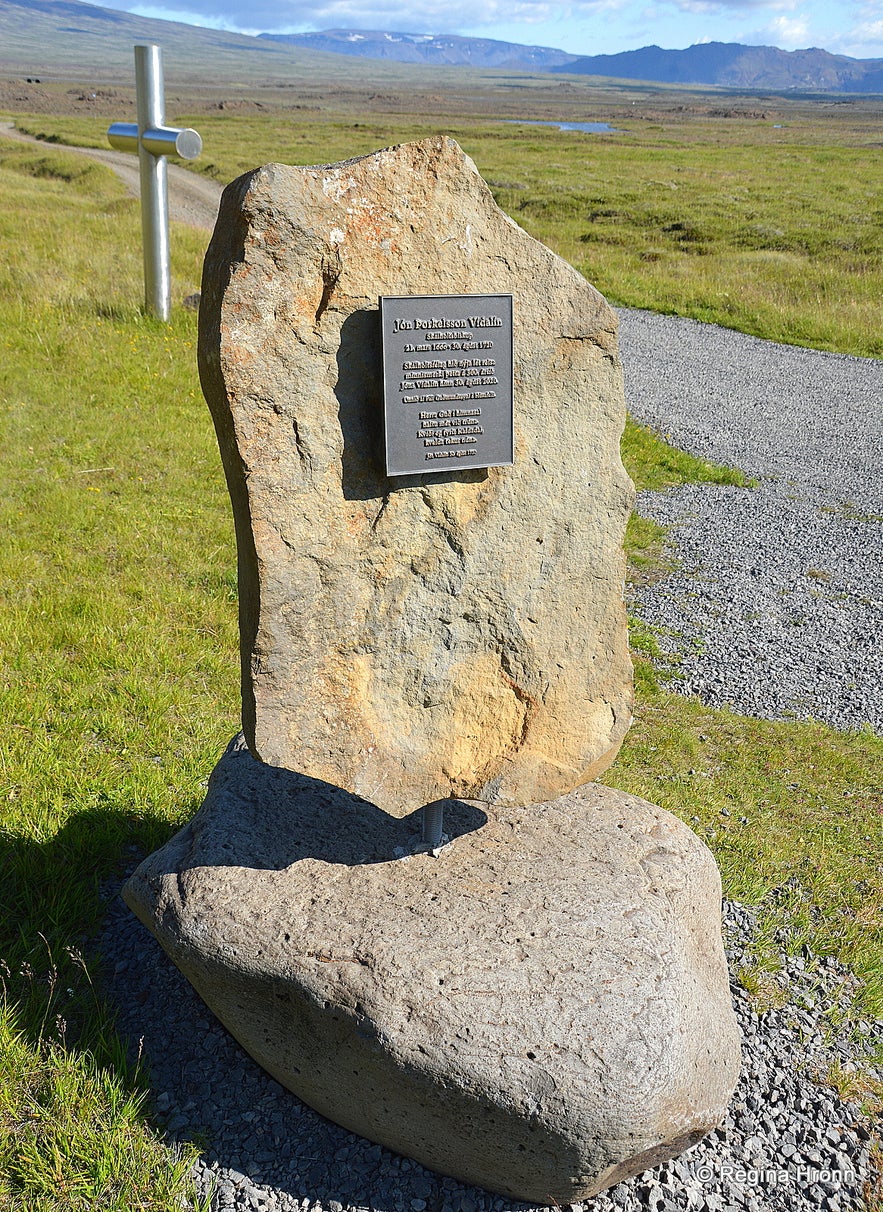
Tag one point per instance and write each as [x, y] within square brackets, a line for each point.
[153, 141]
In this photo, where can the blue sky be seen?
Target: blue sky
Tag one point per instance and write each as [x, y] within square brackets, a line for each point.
[589, 27]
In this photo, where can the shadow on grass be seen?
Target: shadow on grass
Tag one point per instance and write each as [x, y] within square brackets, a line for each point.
[53, 894]
[86, 974]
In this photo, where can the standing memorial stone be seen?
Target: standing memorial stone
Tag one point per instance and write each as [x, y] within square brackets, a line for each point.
[412, 637]
[540, 1006]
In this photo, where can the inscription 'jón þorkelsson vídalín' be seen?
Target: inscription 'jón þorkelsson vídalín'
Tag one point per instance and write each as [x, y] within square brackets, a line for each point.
[447, 374]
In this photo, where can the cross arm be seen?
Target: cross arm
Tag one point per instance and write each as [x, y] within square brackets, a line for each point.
[158, 140]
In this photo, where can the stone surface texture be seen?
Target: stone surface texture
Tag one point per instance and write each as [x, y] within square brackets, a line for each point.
[412, 638]
[542, 1009]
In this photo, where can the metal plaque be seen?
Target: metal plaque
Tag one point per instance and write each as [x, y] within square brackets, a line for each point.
[447, 382]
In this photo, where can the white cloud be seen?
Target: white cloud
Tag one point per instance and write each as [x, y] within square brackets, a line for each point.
[189, 17]
[862, 41]
[732, 7]
[868, 31]
[698, 7]
[849, 26]
[389, 15]
[789, 32]
[457, 16]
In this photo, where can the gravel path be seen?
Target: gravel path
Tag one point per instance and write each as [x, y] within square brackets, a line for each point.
[193, 200]
[776, 607]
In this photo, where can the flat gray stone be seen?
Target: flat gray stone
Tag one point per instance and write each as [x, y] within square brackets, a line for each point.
[541, 1010]
[414, 637]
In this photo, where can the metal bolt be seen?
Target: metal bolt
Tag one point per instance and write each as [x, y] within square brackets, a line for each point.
[433, 823]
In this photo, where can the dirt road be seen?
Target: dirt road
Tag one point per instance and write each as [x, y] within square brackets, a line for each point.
[192, 199]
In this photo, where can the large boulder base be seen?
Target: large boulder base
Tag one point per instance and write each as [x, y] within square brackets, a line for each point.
[542, 1009]
[415, 637]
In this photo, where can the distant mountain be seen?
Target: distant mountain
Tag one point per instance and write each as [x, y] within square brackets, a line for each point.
[428, 48]
[732, 65]
[70, 38]
[51, 37]
[724, 64]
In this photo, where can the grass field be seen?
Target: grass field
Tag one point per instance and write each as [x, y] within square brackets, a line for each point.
[118, 633]
[773, 230]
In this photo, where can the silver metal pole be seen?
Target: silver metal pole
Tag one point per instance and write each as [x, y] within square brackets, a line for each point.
[154, 183]
[153, 141]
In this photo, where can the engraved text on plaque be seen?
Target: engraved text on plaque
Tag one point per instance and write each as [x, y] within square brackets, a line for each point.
[447, 382]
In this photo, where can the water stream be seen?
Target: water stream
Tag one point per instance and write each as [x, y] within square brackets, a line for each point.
[588, 128]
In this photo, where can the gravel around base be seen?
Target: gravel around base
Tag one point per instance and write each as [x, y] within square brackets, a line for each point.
[788, 1142]
[776, 605]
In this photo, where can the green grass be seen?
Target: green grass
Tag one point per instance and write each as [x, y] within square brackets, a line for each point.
[118, 644]
[793, 813]
[119, 684]
[779, 242]
[653, 464]
[773, 232]
[72, 1134]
